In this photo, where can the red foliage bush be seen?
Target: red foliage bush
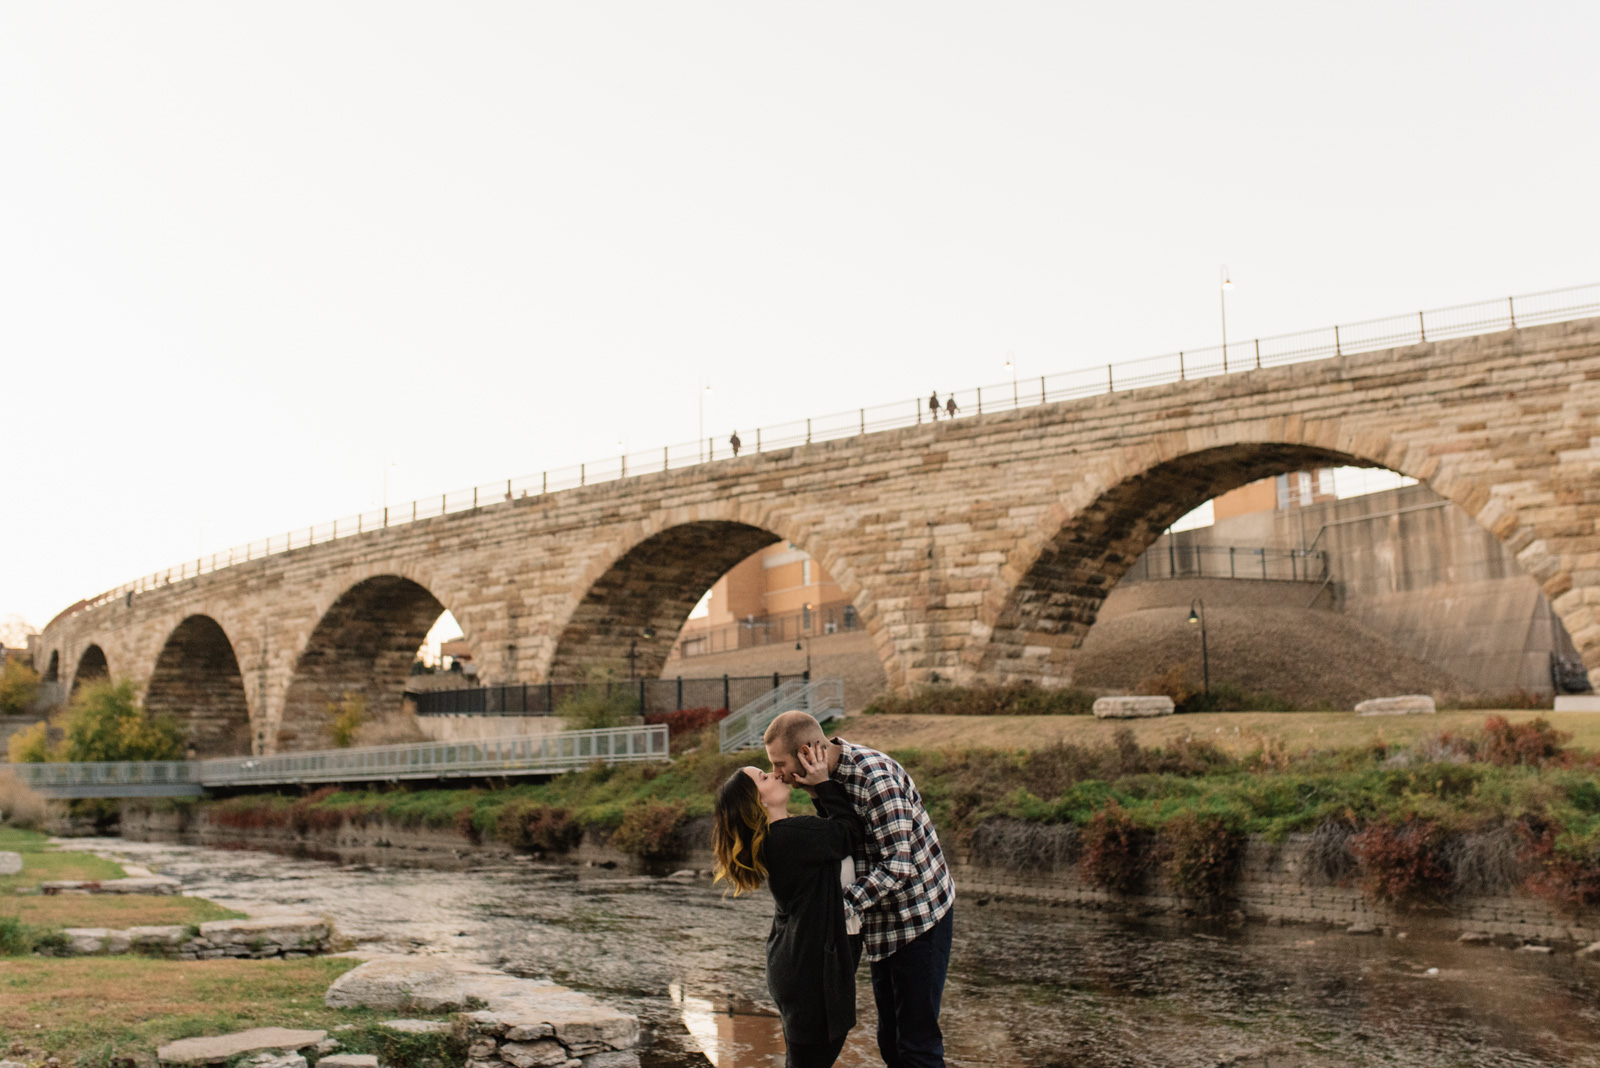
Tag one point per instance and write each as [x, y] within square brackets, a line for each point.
[687, 720]
[537, 827]
[1570, 883]
[1534, 743]
[651, 830]
[1202, 855]
[1115, 851]
[1402, 863]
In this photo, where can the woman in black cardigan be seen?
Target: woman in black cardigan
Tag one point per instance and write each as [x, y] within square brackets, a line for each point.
[811, 957]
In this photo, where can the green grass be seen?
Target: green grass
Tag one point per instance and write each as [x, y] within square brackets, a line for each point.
[17, 840]
[113, 910]
[39, 867]
[88, 1010]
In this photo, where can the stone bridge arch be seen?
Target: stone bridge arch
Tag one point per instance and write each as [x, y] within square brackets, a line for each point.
[650, 579]
[92, 666]
[197, 681]
[362, 645]
[1089, 539]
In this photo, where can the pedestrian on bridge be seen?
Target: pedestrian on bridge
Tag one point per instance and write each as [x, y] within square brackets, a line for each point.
[933, 405]
[950, 407]
[735, 442]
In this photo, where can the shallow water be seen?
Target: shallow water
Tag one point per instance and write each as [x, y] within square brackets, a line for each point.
[1029, 987]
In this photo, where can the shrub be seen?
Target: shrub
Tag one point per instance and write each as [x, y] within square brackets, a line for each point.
[1015, 699]
[1328, 856]
[687, 720]
[19, 687]
[1534, 743]
[346, 716]
[30, 745]
[1202, 855]
[1021, 846]
[1564, 873]
[105, 722]
[16, 937]
[1403, 863]
[598, 705]
[1115, 851]
[1486, 862]
[536, 827]
[20, 806]
[652, 830]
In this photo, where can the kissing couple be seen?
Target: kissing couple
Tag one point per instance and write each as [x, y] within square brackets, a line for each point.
[866, 872]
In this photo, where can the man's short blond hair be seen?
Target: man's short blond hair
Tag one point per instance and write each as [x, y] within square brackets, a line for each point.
[791, 730]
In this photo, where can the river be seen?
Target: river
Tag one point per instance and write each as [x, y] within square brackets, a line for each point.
[1029, 987]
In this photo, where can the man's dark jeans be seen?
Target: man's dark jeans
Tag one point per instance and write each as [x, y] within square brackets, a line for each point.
[908, 986]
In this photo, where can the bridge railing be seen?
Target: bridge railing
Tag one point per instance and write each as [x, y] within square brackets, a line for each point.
[546, 754]
[1459, 320]
[154, 778]
[743, 729]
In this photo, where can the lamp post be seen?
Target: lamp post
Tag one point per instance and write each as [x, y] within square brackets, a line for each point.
[1205, 656]
[633, 650]
[1227, 284]
[1011, 365]
[805, 635]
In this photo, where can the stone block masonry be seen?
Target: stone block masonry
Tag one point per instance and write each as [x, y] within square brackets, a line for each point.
[975, 549]
[289, 937]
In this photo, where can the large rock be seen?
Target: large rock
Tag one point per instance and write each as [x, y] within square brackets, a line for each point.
[418, 984]
[10, 863]
[216, 1049]
[305, 933]
[1409, 705]
[96, 941]
[1133, 707]
[153, 884]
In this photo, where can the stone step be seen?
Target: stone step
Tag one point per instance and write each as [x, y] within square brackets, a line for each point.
[217, 1049]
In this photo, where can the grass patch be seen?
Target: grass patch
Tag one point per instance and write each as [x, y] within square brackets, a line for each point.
[40, 867]
[85, 1010]
[113, 910]
[17, 840]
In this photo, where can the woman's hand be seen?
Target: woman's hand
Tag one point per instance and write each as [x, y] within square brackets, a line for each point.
[813, 765]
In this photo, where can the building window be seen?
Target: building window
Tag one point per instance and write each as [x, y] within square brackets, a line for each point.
[805, 572]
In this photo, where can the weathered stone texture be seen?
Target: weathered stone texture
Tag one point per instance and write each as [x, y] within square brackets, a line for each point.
[980, 547]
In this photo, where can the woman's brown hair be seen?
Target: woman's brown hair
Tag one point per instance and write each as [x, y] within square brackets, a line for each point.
[738, 832]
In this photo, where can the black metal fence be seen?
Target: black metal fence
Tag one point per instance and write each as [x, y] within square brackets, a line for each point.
[769, 630]
[1177, 560]
[651, 695]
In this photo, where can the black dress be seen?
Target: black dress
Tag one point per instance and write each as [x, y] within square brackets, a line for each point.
[811, 958]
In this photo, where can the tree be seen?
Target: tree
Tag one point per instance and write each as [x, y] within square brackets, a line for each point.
[106, 722]
[348, 713]
[19, 688]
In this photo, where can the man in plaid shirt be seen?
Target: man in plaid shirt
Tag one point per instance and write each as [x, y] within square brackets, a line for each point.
[902, 893]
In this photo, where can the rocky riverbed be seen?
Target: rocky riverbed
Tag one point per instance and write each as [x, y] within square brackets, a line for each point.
[1030, 987]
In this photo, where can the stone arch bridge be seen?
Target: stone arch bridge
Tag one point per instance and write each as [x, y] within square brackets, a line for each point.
[978, 548]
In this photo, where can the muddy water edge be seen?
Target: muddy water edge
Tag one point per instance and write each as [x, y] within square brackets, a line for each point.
[1030, 986]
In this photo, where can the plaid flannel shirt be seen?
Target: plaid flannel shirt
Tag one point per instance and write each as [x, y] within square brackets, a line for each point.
[903, 885]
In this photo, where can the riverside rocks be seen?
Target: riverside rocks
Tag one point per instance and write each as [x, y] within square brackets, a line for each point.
[1410, 705]
[277, 936]
[10, 863]
[521, 1023]
[272, 1045]
[147, 884]
[1133, 707]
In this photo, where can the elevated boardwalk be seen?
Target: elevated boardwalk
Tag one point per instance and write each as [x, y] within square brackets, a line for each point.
[546, 754]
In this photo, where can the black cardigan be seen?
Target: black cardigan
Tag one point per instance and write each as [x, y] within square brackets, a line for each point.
[811, 959]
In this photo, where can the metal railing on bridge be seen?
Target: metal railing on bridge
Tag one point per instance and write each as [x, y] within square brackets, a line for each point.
[743, 729]
[545, 754]
[1461, 320]
[1177, 560]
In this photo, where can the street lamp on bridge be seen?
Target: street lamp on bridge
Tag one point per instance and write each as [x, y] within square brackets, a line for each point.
[1199, 616]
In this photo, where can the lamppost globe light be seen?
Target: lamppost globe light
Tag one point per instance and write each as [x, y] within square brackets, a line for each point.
[1194, 617]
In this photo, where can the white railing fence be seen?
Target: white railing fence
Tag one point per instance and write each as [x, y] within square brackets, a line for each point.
[823, 698]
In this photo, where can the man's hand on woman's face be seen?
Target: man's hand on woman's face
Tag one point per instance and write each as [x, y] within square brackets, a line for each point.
[813, 766]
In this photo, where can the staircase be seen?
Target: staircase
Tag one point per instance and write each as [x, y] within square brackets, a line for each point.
[823, 698]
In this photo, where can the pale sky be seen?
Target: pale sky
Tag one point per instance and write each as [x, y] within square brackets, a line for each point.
[251, 255]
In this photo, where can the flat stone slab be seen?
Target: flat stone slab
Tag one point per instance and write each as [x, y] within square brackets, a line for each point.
[348, 1060]
[96, 941]
[416, 1027]
[517, 1016]
[1133, 707]
[151, 884]
[10, 863]
[215, 1049]
[1410, 705]
[1578, 702]
[291, 932]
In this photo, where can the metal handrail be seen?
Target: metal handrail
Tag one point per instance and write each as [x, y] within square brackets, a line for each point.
[1173, 559]
[529, 755]
[823, 698]
[1461, 320]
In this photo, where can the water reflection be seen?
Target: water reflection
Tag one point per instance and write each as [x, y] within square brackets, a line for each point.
[1029, 987]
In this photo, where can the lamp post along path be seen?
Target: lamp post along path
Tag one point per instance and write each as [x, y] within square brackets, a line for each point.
[1197, 614]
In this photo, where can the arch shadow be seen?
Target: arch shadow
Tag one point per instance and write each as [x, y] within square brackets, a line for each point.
[642, 598]
[52, 673]
[197, 681]
[363, 646]
[92, 667]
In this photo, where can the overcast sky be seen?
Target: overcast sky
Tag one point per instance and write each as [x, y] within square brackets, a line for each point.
[252, 254]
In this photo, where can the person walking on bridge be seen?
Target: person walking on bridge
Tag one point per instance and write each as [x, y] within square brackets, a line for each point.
[933, 405]
[735, 442]
[950, 407]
